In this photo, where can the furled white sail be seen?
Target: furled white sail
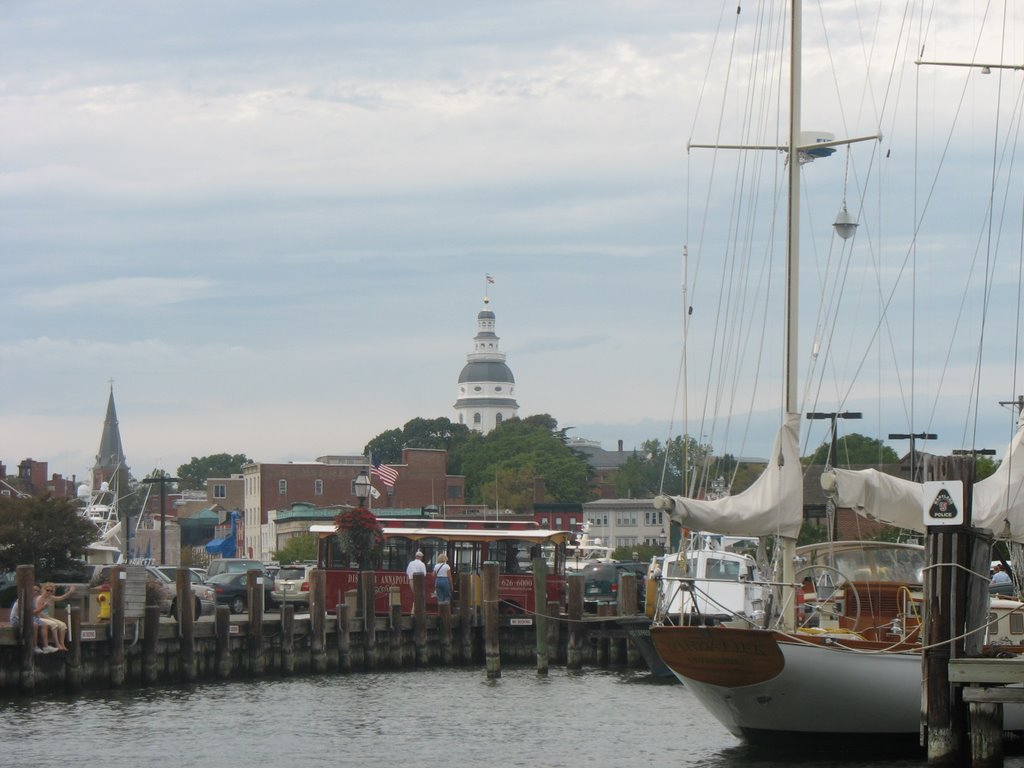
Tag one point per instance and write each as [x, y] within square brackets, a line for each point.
[998, 499]
[772, 505]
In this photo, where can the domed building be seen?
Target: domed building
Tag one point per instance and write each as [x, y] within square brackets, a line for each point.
[486, 384]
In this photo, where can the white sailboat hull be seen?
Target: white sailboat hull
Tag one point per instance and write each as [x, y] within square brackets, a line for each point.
[765, 686]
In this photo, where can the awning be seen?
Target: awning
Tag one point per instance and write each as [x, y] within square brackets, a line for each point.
[223, 546]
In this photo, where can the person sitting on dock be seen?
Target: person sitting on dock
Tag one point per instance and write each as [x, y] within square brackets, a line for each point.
[443, 580]
[44, 607]
[416, 566]
[41, 633]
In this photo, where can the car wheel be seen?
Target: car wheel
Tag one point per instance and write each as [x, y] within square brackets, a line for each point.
[238, 605]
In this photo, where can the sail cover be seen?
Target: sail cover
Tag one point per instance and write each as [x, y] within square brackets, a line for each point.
[998, 499]
[772, 505]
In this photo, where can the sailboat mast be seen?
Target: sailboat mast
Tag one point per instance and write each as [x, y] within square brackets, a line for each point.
[793, 227]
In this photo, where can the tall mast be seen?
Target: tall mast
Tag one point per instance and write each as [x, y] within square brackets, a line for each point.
[793, 228]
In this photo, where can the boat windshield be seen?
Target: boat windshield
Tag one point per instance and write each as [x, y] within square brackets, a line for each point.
[868, 561]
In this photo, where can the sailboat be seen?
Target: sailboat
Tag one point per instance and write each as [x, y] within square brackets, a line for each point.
[856, 669]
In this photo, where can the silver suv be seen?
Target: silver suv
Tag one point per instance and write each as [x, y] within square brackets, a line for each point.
[292, 585]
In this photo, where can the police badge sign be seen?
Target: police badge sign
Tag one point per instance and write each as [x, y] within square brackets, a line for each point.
[943, 502]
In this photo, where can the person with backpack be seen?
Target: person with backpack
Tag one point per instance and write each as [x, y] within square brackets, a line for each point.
[443, 580]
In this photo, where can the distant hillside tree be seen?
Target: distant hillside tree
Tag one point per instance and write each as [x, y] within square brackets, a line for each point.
[194, 475]
[439, 433]
[643, 473]
[503, 465]
[855, 449]
[42, 531]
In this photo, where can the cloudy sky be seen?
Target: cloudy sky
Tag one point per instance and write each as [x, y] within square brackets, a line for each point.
[269, 223]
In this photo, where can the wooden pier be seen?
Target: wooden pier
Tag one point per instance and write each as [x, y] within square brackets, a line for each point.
[137, 646]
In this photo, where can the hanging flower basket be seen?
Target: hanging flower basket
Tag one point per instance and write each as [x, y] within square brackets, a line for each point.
[360, 536]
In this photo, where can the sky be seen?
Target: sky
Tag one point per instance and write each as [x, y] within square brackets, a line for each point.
[267, 225]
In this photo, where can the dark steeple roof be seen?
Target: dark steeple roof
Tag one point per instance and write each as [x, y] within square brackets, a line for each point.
[111, 456]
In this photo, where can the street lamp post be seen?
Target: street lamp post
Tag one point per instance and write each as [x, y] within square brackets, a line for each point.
[361, 486]
[832, 416]
[163, 480]
[912, 436]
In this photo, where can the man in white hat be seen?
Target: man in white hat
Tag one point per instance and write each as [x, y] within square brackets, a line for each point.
[416, 566]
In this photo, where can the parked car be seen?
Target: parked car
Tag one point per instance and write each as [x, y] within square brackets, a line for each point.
[206, 599]
[601, 583]
[291, 585]
[232, 589]
[233, 565]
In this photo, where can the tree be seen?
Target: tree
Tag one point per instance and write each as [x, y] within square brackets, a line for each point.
[855, 449]
[194, 475]
[511, 457]
[440, 433]
[42, 531]
[297, 549]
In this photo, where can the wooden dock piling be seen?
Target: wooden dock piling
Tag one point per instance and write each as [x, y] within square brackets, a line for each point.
[150, 644]
[117, 658]
[73, 658]
[186, 624]
[419, 618]
[466, 617]
[444, 631]
[395, 629]
[574, 646]
[540, 594]
[367, 581]
[342, 615]
[492, 649]
[287, 639]
[257, 659]
[222, 651]
[318, 619]
[25, 576]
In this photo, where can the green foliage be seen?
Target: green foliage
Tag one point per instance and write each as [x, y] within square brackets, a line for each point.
[984, 466]
[503, 465]
[297, 549]
[812, 533]
[641, 475]
[440, 433]
[45, 532]
[641, 552]
[194, 475]
[855, 449]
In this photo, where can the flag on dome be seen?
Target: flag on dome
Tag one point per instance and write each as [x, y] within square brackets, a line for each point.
[490, 280]
[387, 474]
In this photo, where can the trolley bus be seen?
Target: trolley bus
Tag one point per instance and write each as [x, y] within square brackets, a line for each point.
[468, 543]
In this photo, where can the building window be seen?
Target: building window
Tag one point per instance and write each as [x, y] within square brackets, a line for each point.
[220, 491]
[318, 487]
[497, 389]
[497, 419]
[453, 492]
[282, 487]
[558, 523]
[476, 418]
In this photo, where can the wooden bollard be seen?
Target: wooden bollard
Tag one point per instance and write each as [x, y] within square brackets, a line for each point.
[574, 646]
[419, 618]
[554, 625]
[117, 663]
[627, 594]
[603, 609]
[257, 660]
[492, 647]
[466, 616]
[395, 633]
[186, 624]
[344, 637]
[444, 629]
[367, 587]
[73, 658]
[26, 577]
[150, 644]
[318, 619]
[287, 639]
[222, 626]
[540, 601]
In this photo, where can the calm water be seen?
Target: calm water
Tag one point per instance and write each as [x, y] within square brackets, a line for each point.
[445, 717]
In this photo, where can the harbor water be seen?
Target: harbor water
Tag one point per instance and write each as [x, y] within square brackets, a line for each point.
[433, 717]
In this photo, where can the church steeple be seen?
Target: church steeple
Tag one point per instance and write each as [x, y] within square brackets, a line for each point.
[110, 459]
[486, 384]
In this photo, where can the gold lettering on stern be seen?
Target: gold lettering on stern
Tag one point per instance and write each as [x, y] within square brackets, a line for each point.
[724, 657]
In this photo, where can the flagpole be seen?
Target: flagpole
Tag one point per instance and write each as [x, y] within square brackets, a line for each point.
[369, 474]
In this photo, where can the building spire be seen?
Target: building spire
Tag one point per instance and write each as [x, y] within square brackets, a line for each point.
[110, 458]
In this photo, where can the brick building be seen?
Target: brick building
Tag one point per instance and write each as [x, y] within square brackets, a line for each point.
[34, 480]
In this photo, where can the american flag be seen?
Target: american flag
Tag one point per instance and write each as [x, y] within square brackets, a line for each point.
[490, 280]
[387, 474]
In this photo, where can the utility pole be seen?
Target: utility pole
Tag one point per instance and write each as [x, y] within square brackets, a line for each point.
[163, 480]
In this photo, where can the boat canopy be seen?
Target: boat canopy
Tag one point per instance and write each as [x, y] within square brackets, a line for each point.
[998, 503]
[773, 504]
[535, 535]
